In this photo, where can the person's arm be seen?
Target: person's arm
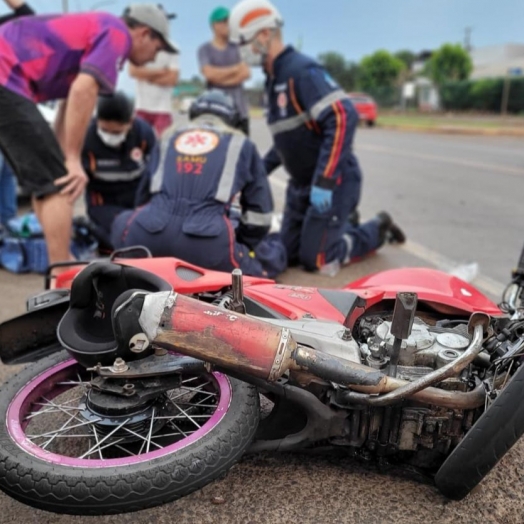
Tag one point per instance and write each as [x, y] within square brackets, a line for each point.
[145, 73]
[331, 110]
[19, 9]
[162, 77]
[78, 112]
[271, 160]
[168, 78]
[228, 75]
[256, 201]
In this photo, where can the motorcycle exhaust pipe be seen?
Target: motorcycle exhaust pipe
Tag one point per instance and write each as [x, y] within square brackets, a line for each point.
[225, 338]
[240, 343]
[250, 346]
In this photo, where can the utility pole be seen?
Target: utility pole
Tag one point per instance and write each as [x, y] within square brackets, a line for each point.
[65, 6]
[467, 39]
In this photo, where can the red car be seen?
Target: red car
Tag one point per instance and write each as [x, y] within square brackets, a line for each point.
[366, 107]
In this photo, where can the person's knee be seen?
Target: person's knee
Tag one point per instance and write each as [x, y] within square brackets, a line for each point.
[309, 258]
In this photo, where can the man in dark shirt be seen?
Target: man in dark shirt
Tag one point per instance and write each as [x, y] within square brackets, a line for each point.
[222, 66]
[115, 157]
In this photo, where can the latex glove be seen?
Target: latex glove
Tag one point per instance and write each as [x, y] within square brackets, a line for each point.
[321, 199]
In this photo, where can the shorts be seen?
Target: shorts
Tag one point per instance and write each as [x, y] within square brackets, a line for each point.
[30, 145]
[159, 121]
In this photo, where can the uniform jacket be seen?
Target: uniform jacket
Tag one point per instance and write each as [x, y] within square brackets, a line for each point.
[201, 170]
[120, 172]
[312, 122]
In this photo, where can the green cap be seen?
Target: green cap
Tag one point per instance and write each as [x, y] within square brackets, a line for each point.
[219, 15]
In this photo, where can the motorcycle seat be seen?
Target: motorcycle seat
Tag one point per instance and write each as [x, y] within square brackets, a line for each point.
[86, 329]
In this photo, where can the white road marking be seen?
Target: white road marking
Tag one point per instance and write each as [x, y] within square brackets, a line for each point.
[514, 171]
[438, 260]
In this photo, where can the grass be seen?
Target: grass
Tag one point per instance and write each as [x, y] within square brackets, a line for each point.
[437, 121]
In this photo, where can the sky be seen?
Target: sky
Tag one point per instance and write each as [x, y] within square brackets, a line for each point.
[353, 28]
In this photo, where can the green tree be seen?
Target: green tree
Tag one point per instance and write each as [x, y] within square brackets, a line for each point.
[344, 72]
[408, 57]
[449, 63]
[380, 70]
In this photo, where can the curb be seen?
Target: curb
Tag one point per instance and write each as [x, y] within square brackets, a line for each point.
[455, 130]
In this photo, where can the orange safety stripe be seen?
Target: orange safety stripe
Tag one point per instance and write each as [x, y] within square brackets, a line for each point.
[92, 161]
[253, 15]
[339, 139]
[294, 100]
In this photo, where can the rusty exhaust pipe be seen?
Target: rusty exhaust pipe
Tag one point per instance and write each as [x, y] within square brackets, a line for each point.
[250, 346]
[230, 340]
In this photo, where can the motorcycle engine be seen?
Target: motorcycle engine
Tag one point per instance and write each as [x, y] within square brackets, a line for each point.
[427, 348]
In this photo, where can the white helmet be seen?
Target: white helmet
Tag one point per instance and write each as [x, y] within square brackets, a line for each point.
[249, 17]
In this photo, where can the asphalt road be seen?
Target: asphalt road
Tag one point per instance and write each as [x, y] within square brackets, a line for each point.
[458, 200]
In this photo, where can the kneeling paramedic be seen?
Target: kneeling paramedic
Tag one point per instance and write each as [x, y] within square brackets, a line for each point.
[202, 169]
[115, 157]
[312, 122]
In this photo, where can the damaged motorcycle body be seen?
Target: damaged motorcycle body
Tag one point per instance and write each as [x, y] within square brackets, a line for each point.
[334, 383]
[374, 369]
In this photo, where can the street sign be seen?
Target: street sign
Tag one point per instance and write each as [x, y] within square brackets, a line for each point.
[515, 71]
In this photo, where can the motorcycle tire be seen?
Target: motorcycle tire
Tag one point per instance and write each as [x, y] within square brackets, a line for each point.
[95, 484]
[490, 438]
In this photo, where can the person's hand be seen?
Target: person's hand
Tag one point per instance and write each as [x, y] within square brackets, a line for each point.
[321, 199]
[74, 182]
[244, 70]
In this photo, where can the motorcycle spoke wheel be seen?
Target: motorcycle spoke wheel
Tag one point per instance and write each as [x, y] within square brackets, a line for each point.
[50, 419]
[59, 454]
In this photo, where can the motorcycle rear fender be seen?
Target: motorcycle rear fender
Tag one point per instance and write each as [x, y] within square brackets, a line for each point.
[32, 336]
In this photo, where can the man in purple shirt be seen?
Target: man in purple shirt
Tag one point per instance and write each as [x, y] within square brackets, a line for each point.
[75, 57]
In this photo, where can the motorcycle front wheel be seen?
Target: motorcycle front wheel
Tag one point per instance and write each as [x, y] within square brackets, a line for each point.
[490, 438]
[55, 454]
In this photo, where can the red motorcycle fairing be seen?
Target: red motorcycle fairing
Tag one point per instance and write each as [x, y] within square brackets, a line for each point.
[295, 302]
[185, 278]
[443, 292]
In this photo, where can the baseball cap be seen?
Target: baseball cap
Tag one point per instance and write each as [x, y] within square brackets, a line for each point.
[219, 15]
[154, 17]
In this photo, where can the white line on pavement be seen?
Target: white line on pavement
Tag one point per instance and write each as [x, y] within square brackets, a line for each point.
[484, 283]
[465, 163]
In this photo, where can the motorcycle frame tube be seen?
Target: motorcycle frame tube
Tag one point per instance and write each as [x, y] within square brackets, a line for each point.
[215, 335]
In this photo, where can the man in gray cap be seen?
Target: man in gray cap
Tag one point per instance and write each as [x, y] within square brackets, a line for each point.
[80, 61]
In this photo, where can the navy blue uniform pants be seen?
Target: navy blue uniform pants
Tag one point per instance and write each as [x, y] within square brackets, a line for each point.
[165, 236]
[313, 239]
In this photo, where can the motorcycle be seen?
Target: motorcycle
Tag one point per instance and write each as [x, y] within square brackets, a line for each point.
[148, 378]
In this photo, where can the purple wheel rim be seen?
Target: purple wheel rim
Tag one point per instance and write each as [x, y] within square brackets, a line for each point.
[20, 404]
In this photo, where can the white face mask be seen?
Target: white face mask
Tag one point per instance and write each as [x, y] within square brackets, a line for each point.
[251, 58]
[110, 139]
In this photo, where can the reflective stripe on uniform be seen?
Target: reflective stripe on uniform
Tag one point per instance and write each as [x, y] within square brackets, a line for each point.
[252, 218]
[158, 176]
[227, 177]
[117, 176]
[325, 102]
[288, 124]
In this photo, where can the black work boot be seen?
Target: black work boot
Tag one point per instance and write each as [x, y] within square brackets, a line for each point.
[354, 218]
[389, 231]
